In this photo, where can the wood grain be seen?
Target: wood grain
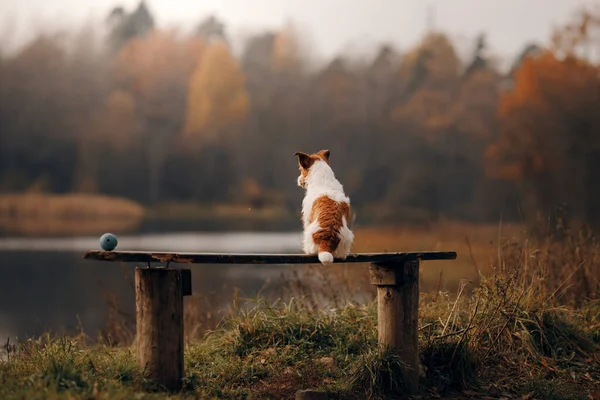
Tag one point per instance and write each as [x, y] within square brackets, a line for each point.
[159, 325]
[398, 316]
[214, 258]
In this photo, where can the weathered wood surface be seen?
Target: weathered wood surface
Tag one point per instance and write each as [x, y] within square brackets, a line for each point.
[398, 315]
[214, 258]
[159, 324]
[383, 275]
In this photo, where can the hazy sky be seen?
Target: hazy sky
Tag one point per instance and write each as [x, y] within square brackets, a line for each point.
[335, 25]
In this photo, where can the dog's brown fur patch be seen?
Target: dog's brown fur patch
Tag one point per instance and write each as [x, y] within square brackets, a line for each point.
[329, 215]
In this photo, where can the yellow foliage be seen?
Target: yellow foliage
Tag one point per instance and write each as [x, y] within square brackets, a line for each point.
[432, 108]
[217, 96]
[286, 49]
[431, 73]
[436, 55]
[194, 49]
[120, 122]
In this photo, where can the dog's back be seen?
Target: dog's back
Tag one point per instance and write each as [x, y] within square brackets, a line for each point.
[332, 220]
[325, 209]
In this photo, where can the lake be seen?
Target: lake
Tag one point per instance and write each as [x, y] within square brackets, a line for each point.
[45, 285]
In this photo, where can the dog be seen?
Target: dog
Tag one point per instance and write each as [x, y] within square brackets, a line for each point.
[325, 209]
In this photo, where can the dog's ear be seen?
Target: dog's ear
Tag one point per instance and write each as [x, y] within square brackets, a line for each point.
[325, 153]
[304, 160]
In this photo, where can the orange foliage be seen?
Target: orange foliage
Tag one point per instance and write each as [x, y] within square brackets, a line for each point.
[431, 72]
[417, 131]
[538, 116]
[152, 65]
[286, 49]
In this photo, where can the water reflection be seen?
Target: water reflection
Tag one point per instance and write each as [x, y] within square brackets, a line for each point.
[46, 285]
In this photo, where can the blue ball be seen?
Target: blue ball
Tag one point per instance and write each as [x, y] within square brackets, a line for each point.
[108, 242]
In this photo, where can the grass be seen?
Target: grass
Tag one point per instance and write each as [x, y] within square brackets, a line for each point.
[488, 344]
[477, 247]
[41, 214]
[524, 328]
[69, 214]
[196, 211]
[41, 205]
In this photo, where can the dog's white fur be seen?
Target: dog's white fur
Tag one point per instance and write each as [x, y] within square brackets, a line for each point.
[321, 181]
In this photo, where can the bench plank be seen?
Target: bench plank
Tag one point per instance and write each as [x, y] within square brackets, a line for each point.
[215, 258]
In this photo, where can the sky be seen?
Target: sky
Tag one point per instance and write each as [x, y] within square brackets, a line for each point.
[334, 25]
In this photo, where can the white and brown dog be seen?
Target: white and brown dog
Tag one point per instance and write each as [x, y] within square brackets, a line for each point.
[325, 209]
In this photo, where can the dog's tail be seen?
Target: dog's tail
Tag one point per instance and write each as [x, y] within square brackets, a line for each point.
[327, 242]
[325, 257]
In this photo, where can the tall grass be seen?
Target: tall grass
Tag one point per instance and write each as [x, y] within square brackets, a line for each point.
[75, 206]
[69, 214]
[524, 329]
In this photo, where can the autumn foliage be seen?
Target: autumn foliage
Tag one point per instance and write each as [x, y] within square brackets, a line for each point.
[217, 96]
[157, 115]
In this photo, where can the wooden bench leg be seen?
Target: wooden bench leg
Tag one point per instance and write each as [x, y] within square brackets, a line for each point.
[397, 314]
[159, 323]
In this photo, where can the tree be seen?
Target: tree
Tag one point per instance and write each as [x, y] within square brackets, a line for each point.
[450, 116]
[88, 86]
[217, 105]
[576, 38]
[288, 52]
[433, 65]
[35, 84]
[431, 73]
[211, 29]
[125, 26]
[479, 60]
[155, 70]
[548, 140]
[281, 98]
[217, 102]
[383, 82]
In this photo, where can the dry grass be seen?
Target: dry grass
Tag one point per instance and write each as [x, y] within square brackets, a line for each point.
[478, 247]
[501, 341]
[53, 227]
[527, 327]
[34, 205]
[217, 211]
[70, 214]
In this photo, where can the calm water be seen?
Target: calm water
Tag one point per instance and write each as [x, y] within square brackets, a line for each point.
[45, 285]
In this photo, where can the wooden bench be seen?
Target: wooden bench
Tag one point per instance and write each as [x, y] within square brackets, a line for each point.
[159, 295]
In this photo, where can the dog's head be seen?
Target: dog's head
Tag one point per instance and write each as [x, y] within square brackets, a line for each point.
[306, 161]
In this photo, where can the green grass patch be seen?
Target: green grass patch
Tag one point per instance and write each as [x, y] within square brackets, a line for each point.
[271, 350]
[517, 333]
